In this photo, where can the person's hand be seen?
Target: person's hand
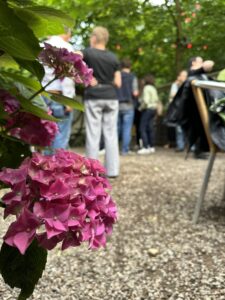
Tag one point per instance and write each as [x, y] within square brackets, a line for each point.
[80, 53]
[208, 65]
[68, 109]
[93, 82]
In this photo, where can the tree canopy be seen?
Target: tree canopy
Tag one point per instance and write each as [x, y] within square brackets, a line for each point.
[158, 39]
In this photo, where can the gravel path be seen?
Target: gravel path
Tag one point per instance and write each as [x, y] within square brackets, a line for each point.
[155, 252]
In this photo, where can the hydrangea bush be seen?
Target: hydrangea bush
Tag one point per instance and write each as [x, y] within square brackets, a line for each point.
[62, 198]
[58, 199]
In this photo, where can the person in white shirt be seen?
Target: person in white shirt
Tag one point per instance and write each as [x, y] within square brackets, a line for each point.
[65, 87]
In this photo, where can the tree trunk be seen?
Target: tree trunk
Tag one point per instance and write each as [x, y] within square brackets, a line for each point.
[179, 48]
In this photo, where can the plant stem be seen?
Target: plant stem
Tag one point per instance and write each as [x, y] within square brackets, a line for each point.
[43, 88]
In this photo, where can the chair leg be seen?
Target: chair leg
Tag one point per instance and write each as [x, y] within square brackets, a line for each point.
[204, 187]
[223, 199]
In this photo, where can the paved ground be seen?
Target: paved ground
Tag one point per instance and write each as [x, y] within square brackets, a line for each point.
[155, 252]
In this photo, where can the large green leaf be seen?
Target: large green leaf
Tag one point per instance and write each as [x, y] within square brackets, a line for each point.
[22, 271]
[67, 101]
[29, 107]
[54, 14]
[44, 21]
[16, 38]
[28, 82]
[34, 67]
[7, 62]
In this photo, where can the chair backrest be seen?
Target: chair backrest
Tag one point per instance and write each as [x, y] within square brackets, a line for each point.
[204, 114]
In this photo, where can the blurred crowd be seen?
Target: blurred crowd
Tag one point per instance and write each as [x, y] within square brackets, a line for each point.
[120, 109]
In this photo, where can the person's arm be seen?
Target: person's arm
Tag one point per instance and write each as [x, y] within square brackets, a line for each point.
[173, 91]
[135, 90]
[117, 79]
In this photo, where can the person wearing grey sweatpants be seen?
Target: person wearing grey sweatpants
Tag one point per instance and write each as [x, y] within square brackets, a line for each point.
[101, 116]
[100, 100]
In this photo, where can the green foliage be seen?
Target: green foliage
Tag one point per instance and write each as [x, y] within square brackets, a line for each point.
[22, 271]
[149, 34]
[16, 38]
[219, 108]
[12, 152]
[67, 101]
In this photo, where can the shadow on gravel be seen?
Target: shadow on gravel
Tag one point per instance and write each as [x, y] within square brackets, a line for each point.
[215, 213]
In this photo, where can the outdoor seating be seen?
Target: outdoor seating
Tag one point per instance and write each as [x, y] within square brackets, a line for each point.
[198, 86]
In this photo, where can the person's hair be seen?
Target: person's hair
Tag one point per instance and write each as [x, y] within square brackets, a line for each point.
[190, 62]
[125, 63]
[101, 34]
[181, 71]
[149, 79]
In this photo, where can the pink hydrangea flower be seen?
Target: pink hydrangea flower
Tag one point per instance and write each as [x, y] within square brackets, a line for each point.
[25, 126]
[22, 232]
[10, 104]
[63, 198]
[66, 64]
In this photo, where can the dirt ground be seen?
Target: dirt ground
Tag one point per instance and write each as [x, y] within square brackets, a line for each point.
[155, 251]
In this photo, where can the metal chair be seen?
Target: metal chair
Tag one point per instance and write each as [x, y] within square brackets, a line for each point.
[197, 86]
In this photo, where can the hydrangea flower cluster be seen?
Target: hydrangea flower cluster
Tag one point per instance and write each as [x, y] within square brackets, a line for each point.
[25, 126]
[66, 64]
[59, 198]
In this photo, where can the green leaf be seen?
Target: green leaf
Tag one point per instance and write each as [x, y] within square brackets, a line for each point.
[28, 82]
[54, 14]
[67, 101]
[13, 152]
[27, 106]
[7, 62]
[34, 67]
[22, 271]
[44, 21]
[16, 38]
[222, 115]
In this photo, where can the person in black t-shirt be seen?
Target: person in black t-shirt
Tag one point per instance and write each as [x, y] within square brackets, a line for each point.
[100, 99]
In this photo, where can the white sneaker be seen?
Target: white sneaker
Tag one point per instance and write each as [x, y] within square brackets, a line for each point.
[152, 150]
[144, 151]
[101, 152]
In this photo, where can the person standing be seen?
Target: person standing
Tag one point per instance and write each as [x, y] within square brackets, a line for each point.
[148, 106]
[65, 87]
[101, 102]
[128, 90]
[180, 139]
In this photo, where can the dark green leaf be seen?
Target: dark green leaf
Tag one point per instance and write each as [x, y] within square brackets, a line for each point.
[67, 101]
[16, 38]
[12, 152]
[22, 271]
